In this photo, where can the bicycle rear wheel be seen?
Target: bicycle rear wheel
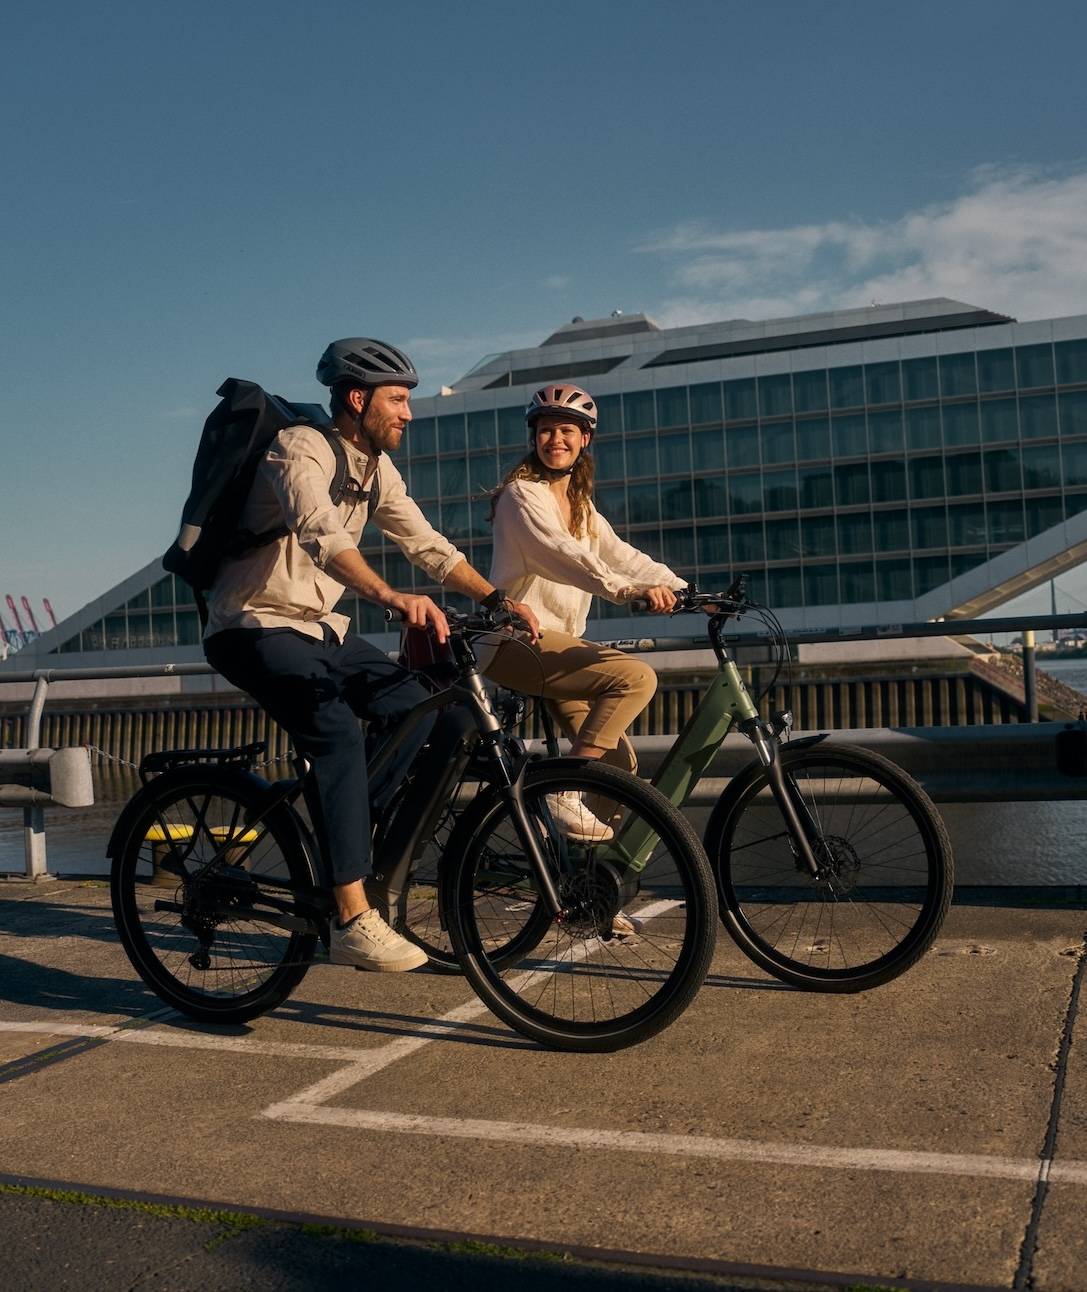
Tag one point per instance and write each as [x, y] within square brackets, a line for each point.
[574, 984]
[888, 871]
[205, 887]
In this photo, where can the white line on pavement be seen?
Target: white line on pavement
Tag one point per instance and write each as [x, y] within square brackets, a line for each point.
[729, 1150]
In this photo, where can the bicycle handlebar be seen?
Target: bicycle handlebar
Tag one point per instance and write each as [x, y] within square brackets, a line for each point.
[689, 600]
[477, 621]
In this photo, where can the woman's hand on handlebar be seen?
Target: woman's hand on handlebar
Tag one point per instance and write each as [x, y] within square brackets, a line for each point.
[659, 600]
[531, 622]
[419, 612]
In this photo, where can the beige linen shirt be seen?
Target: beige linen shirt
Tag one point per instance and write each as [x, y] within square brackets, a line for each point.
[538, 561]
[284, 584]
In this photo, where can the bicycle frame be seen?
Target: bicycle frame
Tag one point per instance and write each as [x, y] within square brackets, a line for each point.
[726, 703]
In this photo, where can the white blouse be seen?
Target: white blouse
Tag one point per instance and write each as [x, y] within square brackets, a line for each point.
[537, 560]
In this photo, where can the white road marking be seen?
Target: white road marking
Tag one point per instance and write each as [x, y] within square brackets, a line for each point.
[755, 1152]
[183, 1040]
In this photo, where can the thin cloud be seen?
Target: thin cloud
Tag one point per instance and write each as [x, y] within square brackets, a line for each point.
[441, 360]
[557, 282]
[1014, 241]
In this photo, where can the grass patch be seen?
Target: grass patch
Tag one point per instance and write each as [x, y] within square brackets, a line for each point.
[233, 1220]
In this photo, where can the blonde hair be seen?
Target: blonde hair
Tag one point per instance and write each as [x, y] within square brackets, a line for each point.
[580, 492]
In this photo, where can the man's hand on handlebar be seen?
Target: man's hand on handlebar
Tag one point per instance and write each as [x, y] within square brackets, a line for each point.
[659, 600]
[418, 612]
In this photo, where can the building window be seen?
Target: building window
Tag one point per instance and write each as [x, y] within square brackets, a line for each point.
[885, 431]
[958, 375]
[846, 387]
[963, 475]
[424, 479]
[611, 500]
[678, 546]
[888, 481]
[482, 432]
[775, 396]
[810, 391]
[672, 406]
[892, 531]
[999, 420]
[783, 539]
[966, 525]
[779, 490]
[451, 435]
[712, 545]
[920, 379]
[420, 438]
[708, 450]
[744, 494]
[960, 424]
[923, 427]
[748, 543]
[642, 457]
[740, 403]
[676, 500]
[643, 503]
[819, 536]
[1042, 514]
[851, 484]
[1074, 413]
[855, 534]
[1038, 416]
[927, 478]
[1035, 365]
[929, 527]
[1006, 521]
[453, 474]
[778, 443]
[816, 487]
[996, 370]
[639, 413]
[742, 445]
[849, 435]
[884, 385]
[705, 403]
[813, 439]
[821, 585]
[858, 583]
[1003, 472]
[1071, 359]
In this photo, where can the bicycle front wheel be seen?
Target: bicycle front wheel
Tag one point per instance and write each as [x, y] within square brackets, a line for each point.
[887, 872]
[204, 885]
[636, 933]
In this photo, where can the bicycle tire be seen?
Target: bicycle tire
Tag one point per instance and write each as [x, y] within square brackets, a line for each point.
[646, 980]
[889, 862]
[175, 871]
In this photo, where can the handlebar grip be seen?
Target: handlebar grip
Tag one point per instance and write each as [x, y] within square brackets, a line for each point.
[393, 616]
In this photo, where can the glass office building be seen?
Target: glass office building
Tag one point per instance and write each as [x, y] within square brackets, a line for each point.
[892, 463]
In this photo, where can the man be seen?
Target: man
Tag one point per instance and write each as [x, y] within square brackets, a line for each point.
[273, 633]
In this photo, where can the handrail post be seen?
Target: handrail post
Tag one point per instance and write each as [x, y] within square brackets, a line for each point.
[1030, 677]
[34, 814]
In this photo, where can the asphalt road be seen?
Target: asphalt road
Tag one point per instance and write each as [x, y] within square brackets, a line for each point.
[934, 1130]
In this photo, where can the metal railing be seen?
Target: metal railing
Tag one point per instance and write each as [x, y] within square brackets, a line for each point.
[739, 637]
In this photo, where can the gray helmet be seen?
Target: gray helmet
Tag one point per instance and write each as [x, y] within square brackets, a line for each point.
[563, 401]
[369, 362]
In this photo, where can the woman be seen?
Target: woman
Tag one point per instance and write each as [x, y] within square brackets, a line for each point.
[554, 551]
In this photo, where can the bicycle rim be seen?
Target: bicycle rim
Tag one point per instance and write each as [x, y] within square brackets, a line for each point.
[577, 982]
[887, 882]
[195, 890]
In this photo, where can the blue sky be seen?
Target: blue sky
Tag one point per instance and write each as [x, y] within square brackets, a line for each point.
[211, 189]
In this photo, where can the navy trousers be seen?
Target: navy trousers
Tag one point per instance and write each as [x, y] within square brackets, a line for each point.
[317, 691]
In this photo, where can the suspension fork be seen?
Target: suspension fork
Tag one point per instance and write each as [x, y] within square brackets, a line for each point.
[802, 825]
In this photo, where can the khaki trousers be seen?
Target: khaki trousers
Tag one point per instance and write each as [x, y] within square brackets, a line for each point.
[594, 693]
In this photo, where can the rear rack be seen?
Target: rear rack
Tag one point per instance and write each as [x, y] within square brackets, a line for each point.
[164, 760]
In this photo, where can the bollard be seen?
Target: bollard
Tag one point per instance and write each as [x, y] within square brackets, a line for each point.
[1030, 679]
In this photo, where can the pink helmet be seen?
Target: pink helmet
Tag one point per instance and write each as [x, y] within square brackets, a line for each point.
[563, 401]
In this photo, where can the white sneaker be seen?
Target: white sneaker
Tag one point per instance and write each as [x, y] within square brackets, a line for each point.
[626, 926]
[575, 821]
[367, 942]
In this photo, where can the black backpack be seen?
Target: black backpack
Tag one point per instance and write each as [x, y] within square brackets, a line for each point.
[236, 435]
